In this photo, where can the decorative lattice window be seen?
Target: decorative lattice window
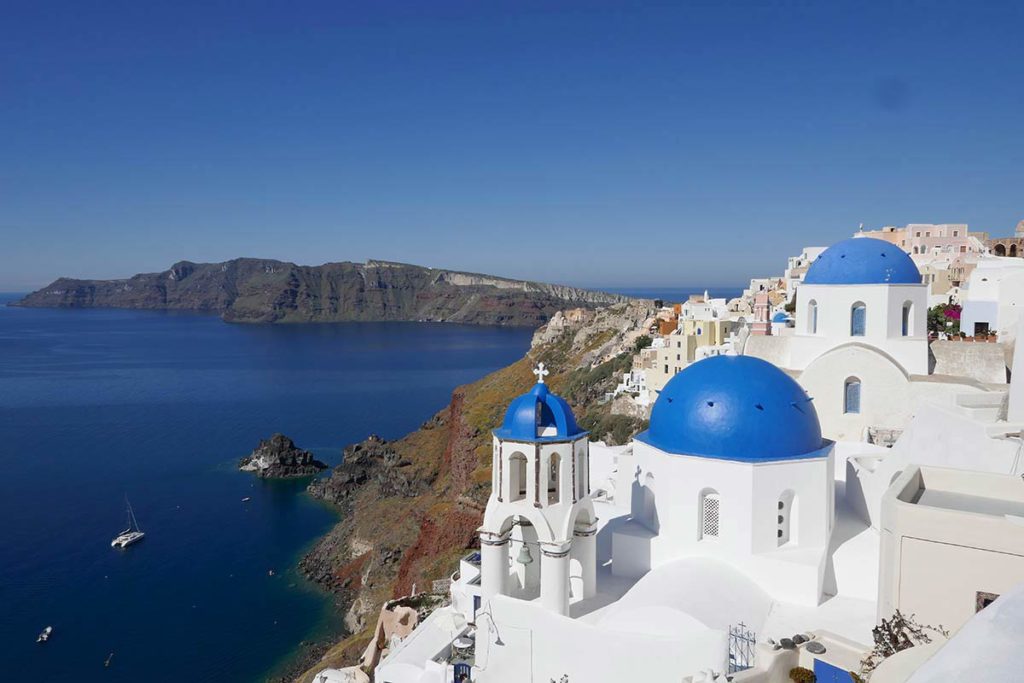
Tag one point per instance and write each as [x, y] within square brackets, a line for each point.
[709, 514]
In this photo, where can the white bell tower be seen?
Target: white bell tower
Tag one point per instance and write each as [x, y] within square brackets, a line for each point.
[538, 539]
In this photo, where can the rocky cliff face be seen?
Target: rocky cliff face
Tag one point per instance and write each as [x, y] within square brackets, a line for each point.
[260, 290]
[411, 507]
[278, 458]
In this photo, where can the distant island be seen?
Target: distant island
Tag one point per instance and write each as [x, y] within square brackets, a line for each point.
[268, 291]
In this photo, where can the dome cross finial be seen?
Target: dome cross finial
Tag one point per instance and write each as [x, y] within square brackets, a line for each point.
[541, 373]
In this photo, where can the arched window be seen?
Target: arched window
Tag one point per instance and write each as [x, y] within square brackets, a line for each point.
[517, 477]
[908, 318]
[851, 396]
[554, 478]
[710, 513]
[812, 317]
[858, 319]
[1013, 250]
[786, 526]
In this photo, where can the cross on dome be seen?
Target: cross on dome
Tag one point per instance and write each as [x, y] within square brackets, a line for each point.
[541, 373]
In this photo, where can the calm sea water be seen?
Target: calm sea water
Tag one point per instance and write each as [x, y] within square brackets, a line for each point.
[98, 404]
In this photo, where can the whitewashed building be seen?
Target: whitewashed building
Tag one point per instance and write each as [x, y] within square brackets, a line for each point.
[860, 344]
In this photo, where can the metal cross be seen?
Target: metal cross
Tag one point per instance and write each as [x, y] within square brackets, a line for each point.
[541, 373]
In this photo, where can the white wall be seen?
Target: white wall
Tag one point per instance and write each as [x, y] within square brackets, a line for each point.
[539, 645]
[749, 495]
[884, 321]
[976, 551]
[995, 295]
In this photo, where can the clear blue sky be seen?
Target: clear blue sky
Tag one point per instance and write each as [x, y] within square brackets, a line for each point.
[592, 143]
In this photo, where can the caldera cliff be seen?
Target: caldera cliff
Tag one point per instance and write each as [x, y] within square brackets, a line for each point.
[269, 291]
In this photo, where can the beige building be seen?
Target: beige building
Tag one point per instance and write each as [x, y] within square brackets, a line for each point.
[1008, 246]
[691, 340]
[952, 542]
[924, 241]
[942, 275]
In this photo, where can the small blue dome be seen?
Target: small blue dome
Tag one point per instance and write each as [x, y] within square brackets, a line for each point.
[735, 408]
[863, 261]
[539, 415]
[780, 317]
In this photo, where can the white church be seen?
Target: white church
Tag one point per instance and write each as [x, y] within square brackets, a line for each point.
[860, 343]
[732, 538]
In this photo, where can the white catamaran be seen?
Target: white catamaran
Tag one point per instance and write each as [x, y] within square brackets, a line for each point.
[132, 534]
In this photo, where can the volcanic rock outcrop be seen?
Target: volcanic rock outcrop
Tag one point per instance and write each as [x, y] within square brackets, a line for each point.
[279, 458]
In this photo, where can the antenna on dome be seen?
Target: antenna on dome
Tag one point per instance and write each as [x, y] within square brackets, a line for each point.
[541, 373]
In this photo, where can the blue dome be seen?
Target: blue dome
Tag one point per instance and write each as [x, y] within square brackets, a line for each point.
[735, 408]
[863, 261]
[539, 415]
[780, 317]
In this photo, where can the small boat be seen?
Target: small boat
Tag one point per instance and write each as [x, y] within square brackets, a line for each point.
[133, 534]
[247, 499]
[44, 635]
[109, 657]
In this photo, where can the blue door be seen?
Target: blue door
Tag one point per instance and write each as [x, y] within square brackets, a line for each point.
[828, 673]
[462, 671]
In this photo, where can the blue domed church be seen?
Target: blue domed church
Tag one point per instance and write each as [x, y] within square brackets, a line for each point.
[866, 291]
[538, 539]
[733, 466]
[860, 338]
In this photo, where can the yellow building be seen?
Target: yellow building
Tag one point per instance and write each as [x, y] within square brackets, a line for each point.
[692, 340]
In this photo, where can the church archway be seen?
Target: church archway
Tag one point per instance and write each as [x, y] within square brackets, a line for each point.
[554, 479]
[517, 477]
[1013, 250]
[999, 250]
[583, 556]
[524, 553]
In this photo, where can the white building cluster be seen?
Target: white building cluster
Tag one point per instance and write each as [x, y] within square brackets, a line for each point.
[753, 528]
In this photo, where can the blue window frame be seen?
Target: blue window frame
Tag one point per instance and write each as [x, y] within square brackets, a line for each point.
[858, 315]
[851, 395]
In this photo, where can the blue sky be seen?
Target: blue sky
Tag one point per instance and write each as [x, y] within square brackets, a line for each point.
[593, 143]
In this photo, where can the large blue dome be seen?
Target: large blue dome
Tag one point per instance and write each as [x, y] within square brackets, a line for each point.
[863, 261]
[735, 408]
[539, 415]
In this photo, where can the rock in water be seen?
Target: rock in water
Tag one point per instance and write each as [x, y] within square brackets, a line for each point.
[278, 457]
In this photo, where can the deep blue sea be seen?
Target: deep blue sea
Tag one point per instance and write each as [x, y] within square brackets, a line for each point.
[97, 404]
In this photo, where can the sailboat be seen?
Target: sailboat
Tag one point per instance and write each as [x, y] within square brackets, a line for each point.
[132, 534]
